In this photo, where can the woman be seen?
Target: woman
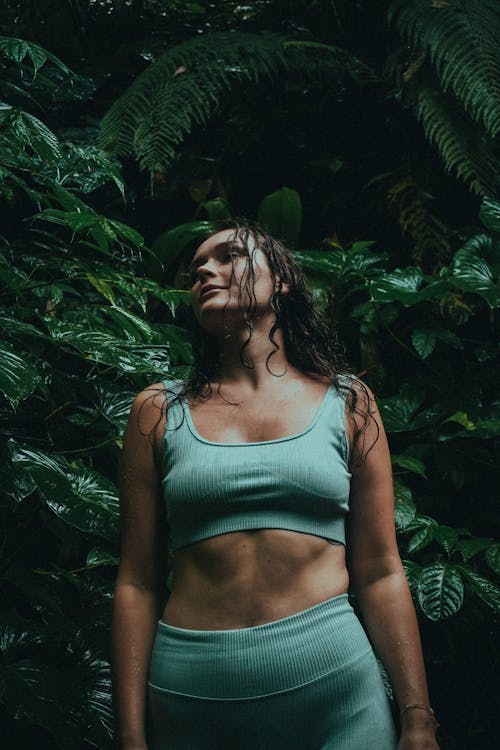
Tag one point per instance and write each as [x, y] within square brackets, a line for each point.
[259, 459]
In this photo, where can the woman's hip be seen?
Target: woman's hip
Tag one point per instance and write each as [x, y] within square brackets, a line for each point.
[253, 662]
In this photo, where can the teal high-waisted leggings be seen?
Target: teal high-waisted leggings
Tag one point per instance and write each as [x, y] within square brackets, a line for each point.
[306, 682]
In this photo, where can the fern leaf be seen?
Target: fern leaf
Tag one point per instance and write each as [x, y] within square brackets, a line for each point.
[428, 233]
[463, 145]
[461, 39]
[183, 88]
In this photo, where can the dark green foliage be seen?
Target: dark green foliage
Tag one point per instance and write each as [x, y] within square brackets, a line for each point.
[184, 86]
[91, 268]
[460, 41]
[460, 37]
[76, 346]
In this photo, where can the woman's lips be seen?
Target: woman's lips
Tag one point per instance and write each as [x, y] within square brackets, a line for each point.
[212, 289]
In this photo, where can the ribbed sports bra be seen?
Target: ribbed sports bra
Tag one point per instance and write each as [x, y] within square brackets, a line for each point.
[299, 483]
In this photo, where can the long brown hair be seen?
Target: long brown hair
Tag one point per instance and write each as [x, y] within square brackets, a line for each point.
[310, 343]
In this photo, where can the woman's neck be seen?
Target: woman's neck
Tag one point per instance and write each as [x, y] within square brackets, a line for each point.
[258, 367]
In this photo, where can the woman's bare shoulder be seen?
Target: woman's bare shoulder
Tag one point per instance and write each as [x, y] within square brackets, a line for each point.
[148, 407]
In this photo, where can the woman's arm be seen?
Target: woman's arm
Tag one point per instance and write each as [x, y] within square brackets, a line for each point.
[141, 580]
[379, 580]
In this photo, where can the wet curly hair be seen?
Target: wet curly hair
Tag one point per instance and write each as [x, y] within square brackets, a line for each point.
[310, 343]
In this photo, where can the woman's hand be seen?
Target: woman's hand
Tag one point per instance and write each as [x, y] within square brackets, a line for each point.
[418, 734]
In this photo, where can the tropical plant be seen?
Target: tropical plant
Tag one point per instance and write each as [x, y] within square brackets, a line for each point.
[184, 86]
[90, 313]
[454, 82]
[75, 346]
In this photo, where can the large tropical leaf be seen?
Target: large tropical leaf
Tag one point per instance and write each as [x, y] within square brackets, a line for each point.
[402, 285]
[492, 557]
[281, 215]
[77, 494]
[18, 376]
[476, 268]
[397, 411]
[489, 214]
[18, 50]
[440, 590]
[404, 507]
[482, 587]
[170, 245]
[423, 529]
[102, 347]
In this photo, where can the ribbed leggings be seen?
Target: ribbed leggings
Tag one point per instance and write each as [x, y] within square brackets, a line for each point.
[306, 682]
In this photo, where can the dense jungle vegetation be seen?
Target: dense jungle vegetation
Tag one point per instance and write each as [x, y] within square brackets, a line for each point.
[363, 133]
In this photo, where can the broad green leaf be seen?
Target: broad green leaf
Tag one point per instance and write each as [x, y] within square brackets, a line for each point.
[447, 537]
[408, 462]
[335, 165]
[216, 209]
[17, 49]
[124, 232]
[404, 507]
[171, 297]
[16, 327]
[103, 287]
[424, 341]
[113, 405]
[355, 261]
[110, 350]
[481, 587]
[487, 427]
[167, 248]
[450, 338]
[462, 419]
[280, 213]
[440, 590]
[324, 261]
[424, 533]
[470, 547]
[402, 285]
[97, 557]
[412, 571]
[492, 557]
[397, 411]
[18, 376]
[77, 494]
[135, 329]
[472, 272]
[489, 214]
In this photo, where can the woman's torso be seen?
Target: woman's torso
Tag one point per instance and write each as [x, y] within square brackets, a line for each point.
[245, 578]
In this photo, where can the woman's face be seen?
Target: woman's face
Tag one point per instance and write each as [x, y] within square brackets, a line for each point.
[219, 273]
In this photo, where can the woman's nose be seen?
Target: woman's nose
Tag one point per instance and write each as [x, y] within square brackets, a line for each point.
[206, 269]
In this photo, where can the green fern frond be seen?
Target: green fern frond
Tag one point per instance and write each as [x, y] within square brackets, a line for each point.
[181, 89]
[461, 39]
[184, 86]
[428, 233]
[464, 146]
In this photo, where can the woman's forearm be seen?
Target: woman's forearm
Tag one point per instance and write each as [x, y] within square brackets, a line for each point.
[135, 616]
[389, 615]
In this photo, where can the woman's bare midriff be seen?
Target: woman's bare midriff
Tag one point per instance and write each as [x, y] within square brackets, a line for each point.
[246, 578]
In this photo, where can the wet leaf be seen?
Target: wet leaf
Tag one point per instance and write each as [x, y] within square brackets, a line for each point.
[440, 590]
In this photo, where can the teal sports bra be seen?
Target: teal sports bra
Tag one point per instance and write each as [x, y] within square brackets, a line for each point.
[299, 483]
